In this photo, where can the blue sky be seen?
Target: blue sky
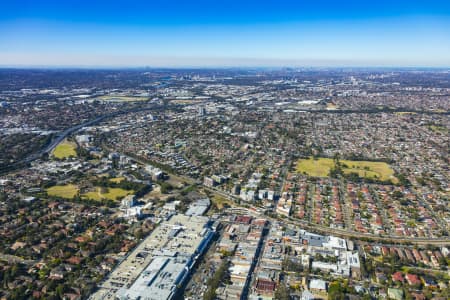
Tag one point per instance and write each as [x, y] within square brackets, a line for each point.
[224, 33]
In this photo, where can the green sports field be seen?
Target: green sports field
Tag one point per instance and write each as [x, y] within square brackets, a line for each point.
[65, 150]
[368, 169]
[67, 191]
[110, 194]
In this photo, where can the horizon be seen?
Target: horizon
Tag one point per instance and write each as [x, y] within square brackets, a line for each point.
[161, 34]
[237, 68]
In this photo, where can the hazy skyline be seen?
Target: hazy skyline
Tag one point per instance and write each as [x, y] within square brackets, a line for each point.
[232, 33]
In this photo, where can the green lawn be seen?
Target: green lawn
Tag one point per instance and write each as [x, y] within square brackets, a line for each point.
[438, 128]
[369, 169]
[110, 194]
[117, 179]
[220, 202]
[67, 191]
[65, 150]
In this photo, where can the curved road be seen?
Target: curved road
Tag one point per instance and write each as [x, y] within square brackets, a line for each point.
[309, 226]
[61, 136]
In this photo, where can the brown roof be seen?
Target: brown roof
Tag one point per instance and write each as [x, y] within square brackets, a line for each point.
[265, 285]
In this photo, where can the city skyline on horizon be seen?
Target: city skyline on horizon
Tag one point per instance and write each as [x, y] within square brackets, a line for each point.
[202, 34]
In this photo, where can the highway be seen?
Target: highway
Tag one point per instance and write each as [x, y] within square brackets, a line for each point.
[61, 136]
[48, 148]
[345, 233]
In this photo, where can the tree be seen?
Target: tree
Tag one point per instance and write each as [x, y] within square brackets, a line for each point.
[165, 187]
[282, 292]
[397, 195]
[336, 291]
[60, 290]
[213, 282]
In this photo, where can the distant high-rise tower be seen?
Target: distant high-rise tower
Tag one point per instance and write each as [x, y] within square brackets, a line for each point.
[201, 111]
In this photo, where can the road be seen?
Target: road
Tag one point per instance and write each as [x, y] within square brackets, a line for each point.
[314, 227]
[251, 277]
[342, 232]
[60, 137]
[49, 148]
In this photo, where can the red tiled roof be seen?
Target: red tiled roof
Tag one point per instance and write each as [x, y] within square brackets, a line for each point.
[412, 279]
[397, 276]
[265, 285]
